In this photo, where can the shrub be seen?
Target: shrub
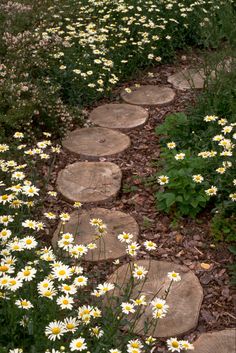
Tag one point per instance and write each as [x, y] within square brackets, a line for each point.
[60, 53]
[191, 178]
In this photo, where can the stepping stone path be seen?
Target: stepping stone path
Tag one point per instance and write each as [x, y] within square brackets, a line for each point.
[149, 95]
[187, 79]
[185, 297]
[216, 342]
[96, 142]
[109, 248]
[97, 182]
[89, 181]
[119, 116]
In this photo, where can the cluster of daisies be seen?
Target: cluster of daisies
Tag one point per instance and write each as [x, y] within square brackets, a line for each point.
[222, 157]
[56, 296]
[93, 43]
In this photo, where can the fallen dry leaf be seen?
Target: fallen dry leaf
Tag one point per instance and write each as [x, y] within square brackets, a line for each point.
[205, 266]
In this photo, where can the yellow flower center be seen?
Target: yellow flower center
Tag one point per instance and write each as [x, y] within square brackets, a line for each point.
[62, 272]
[70, 326]
[65, 301]
[24, 303]
[56, 330]
[26, 273]
[79, 344]
[29, 241]
[175, 344]
[4, 268]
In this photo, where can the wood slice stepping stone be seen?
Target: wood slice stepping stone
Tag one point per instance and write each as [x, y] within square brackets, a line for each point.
[108, 248]
[119, 116]
[216, 342]
[184, 298]
[89, 181]
[96, 142]
[149, 95]
[187, 79]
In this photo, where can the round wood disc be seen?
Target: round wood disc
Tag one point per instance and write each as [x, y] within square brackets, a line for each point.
[184, 298]
[96, 142]
[216, 342]
[149, 95]
[89, 181]
[109, 247]
[119, 116]
[187, 79]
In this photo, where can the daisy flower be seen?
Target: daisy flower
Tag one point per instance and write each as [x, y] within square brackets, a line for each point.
[65, 302]
[80, 281]
[27, 273]
[173, 345]
[180, 156]
[174, 276]
[55, 330]
[197, 178]
[163, 179]
[149, 245]
[211, 191]
[127, 308]
[78, 344]
[125, 237]
[24, 304]
[65, 217]
[159, 304]
[186, 345]
[62, 272]
[171, 145]
[139, 272]
[71, 324]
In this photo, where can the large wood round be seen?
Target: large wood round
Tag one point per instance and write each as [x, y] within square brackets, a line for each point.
[149, 95]
[216, 342]
[109, 247]
[96, 142]
[187, 79]
[119, 116]
[184, 299]
[89, 181]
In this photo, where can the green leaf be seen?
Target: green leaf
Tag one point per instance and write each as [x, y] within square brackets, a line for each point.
[170, 199]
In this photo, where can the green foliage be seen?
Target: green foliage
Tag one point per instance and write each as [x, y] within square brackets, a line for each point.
[223, 225]
[58, 54]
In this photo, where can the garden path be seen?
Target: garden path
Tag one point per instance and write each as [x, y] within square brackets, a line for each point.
[98, 181]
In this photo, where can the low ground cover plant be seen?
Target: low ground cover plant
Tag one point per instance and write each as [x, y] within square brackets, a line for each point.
[49, 301]
[58, 54]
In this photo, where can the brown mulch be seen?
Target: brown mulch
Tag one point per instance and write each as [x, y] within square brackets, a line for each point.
[187, 242]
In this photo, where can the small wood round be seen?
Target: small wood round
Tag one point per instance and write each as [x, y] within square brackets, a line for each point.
[184, 298]
[149, 95]
[109, 247]
[89, 181]
[216, 342]
[96, 142]
[187, 79]
[119, 116]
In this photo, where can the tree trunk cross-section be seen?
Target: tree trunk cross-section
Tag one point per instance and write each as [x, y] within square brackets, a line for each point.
[109, 247]
[89, 181]
[184, 299]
